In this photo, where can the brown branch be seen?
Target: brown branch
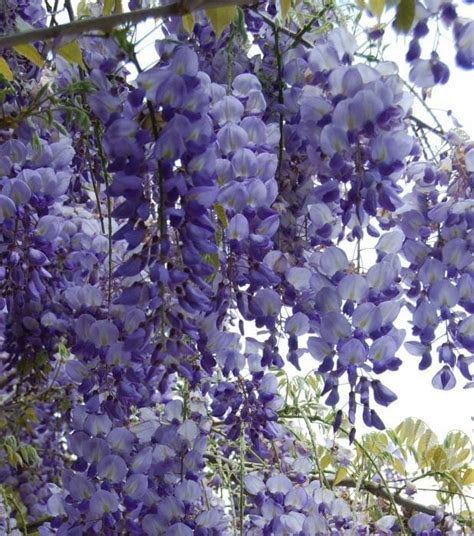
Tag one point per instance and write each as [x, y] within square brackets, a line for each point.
[106, 24]
[379, 491]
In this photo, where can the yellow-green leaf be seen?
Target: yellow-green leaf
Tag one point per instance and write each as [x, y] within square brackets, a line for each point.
[399, 466]
[72, 53]
[438, 457]
[325, 461]
[220, 18]
[427, 441]
[108, 6]
[405, 15]
[340, 475]
[5, 70]
[284, 8]
[221, 215]
[188, 22]
[377, 7]
[468, 478]
[29, 52]
[83, 9]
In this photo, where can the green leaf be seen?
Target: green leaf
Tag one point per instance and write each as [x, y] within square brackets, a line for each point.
[340, 475]
[399, 466]
[377, 7]
[72, 53]
[29, 52]
[427, 441]
[221, 215]
[220, 18]
[5, 70]
[188, 23]
[284, 8]
[83, 9]
[108, 6]
[468, 478]
[405, 15]
[438, 458]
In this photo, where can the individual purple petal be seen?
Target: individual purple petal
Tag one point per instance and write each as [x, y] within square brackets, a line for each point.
[268, 301]
[256, 103]
[7, 208]
[112, 468]
[254, 484]
[279, 484]
[244, 163]
[15, 150]
[244, 83]
[389, 311]
[367, 316]
[189, 431]
[334, 326]
[444, 379]
[456, 253]
[352, 352]
[269, 226]
[421, 523]
[344, 42]
[97, 424]
[353, 287]
[382, 394]
[257, 193]
[76, 370]
[390, 242]
[228, 110]
[443, 293]
[431, 271]
[415, 348]
[318, 348]
[464, 32]
[141, 462]
[466, 333]
[382, 349]
[425, 315]
[323, 58]
[178, 529]
[19, 192]
[80, 487]
[333, 259]
[255, 129]
[121, 440]
[136, 486]
[231, 138]
[185, 62]
[391, 147]
[104, 333]
[152, 525]
[103, 502]
[376, 421]
[188, 491]
[421, 73]
[333, 140]
[292, 522]
[171, 92]
[380, 276]
[297, 324]
[299, 277]
[55, 505]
